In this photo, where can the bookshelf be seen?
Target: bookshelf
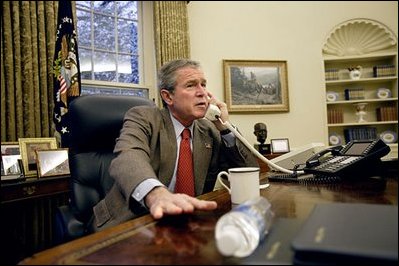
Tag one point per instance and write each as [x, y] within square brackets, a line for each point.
[363, 107]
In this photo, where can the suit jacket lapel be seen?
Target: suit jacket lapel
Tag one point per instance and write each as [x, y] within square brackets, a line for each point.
[168, 148]
[202, 153]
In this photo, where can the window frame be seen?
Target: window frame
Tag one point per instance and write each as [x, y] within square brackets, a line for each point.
[146, 55]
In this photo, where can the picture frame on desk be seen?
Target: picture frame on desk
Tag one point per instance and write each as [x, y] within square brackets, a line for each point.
[280, 145]
[10, 154]
[52, 162]
[10, 148]
[28, 147]
[256, 86]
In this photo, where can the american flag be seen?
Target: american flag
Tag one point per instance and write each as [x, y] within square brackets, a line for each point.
[66, 70]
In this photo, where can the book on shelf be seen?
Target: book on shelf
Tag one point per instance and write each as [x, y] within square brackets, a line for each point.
[332, 74]
[386, 113]
[360, 133]
[354, 94]
[384, 71]
[335, 116]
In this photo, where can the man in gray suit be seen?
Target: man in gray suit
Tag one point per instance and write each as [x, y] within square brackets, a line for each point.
[147, 150]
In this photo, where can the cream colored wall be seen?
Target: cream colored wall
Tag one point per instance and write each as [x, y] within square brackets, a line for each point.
[291, 31]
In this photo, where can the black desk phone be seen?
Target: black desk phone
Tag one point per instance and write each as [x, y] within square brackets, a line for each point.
[356, 157]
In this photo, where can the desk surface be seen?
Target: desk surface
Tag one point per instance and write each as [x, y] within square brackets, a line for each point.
[189, 239]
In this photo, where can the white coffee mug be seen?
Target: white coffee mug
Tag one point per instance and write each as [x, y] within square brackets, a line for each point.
[244, 183]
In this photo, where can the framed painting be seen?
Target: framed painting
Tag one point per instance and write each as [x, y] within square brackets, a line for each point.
[52, 162]
[256, 86]
[10, 154]
[28, 147]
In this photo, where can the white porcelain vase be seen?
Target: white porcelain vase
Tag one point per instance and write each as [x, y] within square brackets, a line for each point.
[355, 74]
[361, 112]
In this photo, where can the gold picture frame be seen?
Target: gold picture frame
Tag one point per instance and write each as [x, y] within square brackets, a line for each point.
[52, 162]
[256, 86]
[28, 148]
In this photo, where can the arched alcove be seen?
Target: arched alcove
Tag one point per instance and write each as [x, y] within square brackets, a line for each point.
[359, 37]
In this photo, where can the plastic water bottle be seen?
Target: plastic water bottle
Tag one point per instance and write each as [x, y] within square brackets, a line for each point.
[239, 232]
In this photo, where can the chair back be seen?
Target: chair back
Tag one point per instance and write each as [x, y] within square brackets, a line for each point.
[96, 121]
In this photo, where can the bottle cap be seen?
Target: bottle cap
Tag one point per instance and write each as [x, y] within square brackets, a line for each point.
[229, 240]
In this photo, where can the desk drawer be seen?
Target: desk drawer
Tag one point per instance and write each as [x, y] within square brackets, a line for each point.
[34, 189]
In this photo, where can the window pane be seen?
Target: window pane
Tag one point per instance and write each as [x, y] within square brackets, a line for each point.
[128, 69]
[104, 33]
[83, 4]
[84, 28]
[107, 7]
[86, 67]
[104, 66]
[127, 9]
[127, 36]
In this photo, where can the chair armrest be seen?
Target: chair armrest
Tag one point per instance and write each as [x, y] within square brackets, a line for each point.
[67, 227]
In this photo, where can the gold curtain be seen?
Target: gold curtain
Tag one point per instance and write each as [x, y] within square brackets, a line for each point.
[27, 50]
[171, 31]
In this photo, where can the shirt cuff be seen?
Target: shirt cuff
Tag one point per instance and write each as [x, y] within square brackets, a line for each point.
[229, 139]
[144, 188]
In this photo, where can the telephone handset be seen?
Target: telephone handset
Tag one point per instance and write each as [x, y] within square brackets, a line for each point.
[213, 113]
[354, 158]
[323, 155]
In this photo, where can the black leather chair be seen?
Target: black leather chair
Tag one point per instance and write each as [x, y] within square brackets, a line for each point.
[96, 121]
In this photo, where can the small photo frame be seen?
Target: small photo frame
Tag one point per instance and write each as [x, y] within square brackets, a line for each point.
[280, 145]
[28, 147]
[10, 154]
[52, 162]
[10, 148]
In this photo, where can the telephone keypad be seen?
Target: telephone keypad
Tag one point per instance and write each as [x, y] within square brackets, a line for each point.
[336, 163]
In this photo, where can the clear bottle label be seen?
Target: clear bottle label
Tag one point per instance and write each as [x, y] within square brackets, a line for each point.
[255, 214]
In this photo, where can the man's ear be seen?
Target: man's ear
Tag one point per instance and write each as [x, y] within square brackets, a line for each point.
[166, 96]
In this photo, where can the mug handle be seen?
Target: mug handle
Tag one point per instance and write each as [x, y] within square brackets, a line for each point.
[264, 186]
[221, 182]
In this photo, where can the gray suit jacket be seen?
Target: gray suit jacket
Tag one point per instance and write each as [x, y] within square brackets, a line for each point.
[147, 148]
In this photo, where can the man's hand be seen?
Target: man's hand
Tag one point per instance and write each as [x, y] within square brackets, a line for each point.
[223, 109]
[161, 201]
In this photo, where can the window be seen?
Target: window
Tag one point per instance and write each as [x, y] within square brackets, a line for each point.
[110, 43]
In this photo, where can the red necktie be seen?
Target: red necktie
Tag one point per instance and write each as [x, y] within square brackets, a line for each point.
[185, 170]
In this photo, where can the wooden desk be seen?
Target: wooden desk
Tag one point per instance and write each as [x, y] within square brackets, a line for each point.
[189, 239]
[27, 210]
[33, 188]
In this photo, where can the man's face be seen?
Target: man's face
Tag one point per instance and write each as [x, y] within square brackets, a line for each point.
[189, 99]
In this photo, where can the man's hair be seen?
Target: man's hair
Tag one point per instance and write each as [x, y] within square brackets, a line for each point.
[167, 74]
